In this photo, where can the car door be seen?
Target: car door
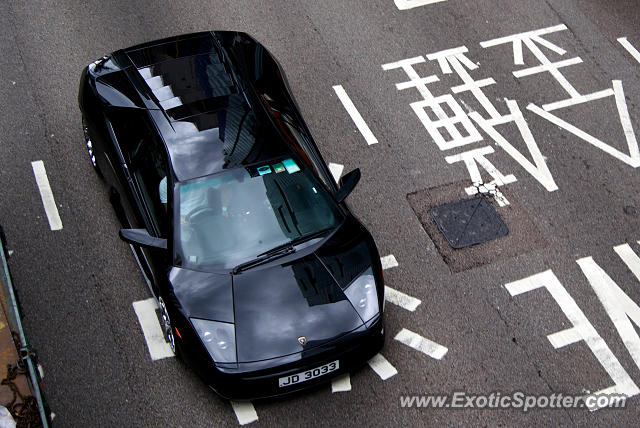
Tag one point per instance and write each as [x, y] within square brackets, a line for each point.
[145, 164]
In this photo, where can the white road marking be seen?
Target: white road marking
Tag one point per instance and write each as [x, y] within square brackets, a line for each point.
[245, 412]
[538, 169]
[336, 170]
[394, 296]
[341, 383]
[582, 327]
[629, 258]
[410, 4]
[578, 100]
[475, 157]
[146, 313]
[618, 305]
[450, 123]
[625, 120]
[563, 338]
[355, 115]
[629, 47]
[419, 343]
[41, 371]
[400, 299]
[389, 261]
[382, 367]
[46, 195]
[457, 59]
[633, 161]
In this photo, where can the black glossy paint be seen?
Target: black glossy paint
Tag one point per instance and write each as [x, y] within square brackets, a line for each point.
[234, 109]
[275, 306]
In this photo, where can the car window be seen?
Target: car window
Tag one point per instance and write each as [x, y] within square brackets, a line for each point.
[147, 159]
[234, 216]
[302, 141]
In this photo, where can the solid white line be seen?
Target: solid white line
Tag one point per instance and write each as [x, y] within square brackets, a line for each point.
[629, 47]
[579, 100]
[341, 383]
[625, 120]
[157, 345]
[410, 4]
[355, 115]
[562, 338]
[403, 300]
[629, 258]
[419, 343]
[389, 261]
[245, 412]
[46, 195]
[629, 160]
[382, 367]
[517, 52]
[607, 359]
[546, 67]
[539, 171]
[336, 171]
[520, 36]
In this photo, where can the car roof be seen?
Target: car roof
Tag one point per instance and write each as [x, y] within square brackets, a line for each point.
[204, 107]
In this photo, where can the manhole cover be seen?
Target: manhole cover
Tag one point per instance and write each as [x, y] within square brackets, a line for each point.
[468, 222]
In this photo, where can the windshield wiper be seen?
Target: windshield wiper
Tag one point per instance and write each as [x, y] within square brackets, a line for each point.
[271, 255]
[277, 252]
[294, 242]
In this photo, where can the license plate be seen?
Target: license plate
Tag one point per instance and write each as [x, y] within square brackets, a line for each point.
[309, 374]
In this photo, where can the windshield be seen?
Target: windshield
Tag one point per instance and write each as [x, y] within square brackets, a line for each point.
[234, 216]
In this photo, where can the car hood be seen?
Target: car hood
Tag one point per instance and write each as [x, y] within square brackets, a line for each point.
[276, 306]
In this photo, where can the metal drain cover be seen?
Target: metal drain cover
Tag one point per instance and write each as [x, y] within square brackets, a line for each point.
[468, 222]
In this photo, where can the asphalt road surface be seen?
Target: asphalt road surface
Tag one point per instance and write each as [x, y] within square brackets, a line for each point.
[537, 107]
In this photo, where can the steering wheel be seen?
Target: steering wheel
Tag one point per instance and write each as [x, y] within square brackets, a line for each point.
[199, 211]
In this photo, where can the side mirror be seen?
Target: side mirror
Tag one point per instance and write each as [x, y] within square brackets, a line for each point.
[347, 184]
[141, 237]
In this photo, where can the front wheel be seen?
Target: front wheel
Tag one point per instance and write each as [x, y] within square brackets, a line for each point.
[165, 323]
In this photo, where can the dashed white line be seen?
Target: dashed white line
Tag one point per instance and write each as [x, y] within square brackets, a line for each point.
[341, 383]
[389, 261]
[355, 115]
[400, 299]
[394, 296]
[46, 195]
[146, 313]
[419, 343]
[629, 47]
[336, 170]
[245, 412]
[382, 367]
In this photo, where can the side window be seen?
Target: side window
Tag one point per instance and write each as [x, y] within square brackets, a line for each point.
[302, 141]
[147, 160]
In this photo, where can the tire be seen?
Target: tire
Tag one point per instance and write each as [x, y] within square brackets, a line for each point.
[165, 324]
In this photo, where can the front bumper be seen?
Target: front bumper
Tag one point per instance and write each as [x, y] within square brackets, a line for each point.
[352, 350]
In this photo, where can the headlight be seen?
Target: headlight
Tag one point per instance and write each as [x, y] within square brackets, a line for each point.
[363, 296]
[219, 339]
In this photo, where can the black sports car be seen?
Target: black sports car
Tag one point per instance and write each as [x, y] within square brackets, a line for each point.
[266, 283]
